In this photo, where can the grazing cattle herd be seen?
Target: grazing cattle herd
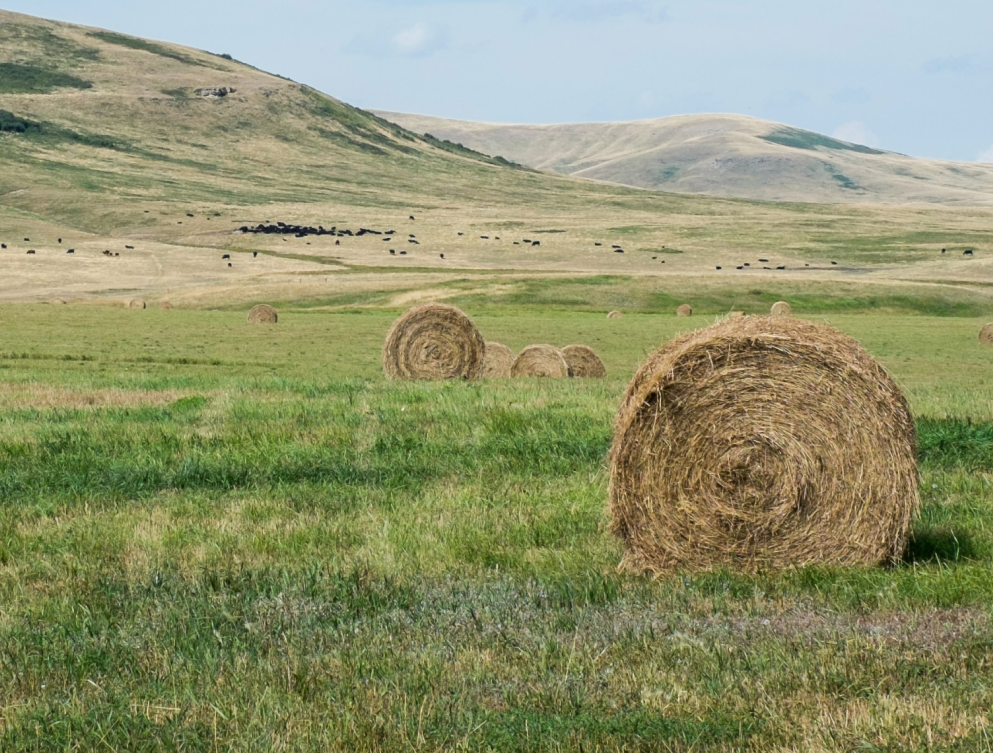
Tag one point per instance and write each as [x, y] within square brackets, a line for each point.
[304, 231]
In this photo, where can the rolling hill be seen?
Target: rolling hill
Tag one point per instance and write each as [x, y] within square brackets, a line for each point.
[721, 155]
[148, 158]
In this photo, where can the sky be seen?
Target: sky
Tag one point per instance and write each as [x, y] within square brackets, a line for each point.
[911, 76]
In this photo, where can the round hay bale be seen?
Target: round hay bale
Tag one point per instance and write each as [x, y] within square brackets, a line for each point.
[434, 341]
[165, 305]
[540, 361]
[263, 313]
[497, 361]
[136, 303]
[684, 310]
[782, 308]
[615, 315]
[57, 302]
[583, 362]
[762, 443]
[986, 335]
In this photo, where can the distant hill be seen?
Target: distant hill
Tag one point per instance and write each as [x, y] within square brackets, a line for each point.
[721, 155]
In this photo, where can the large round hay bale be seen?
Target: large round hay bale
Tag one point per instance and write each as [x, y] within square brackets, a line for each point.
[263, 313]
[584, 362]
[684, 310]
[782, 308]
[762, 442]
[540, 361]
[136, 303]
[986, 335]
[497, 361]
[165, 305]
[615, 315]
[57, 302]
[434, 341]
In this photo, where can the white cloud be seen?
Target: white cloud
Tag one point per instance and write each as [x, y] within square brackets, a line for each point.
[986, 156]
[419, 39]
[857, 133]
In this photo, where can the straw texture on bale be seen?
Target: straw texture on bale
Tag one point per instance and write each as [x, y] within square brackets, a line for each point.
[263, 314]
[540, 361]
[615, 315]
[684, 310]
[165, 305]
[762, 443]
[584, 362]
[986, 335]
[497, 361]
[434, 341]
[136, 303]
[782, 308]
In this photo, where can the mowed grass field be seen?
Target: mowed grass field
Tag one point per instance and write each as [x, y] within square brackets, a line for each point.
[222, 537]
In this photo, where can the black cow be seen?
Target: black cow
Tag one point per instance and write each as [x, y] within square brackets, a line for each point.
[780, 267]
[718, 267]
[129, 248]
[337, 243]
[747, 264]
[597, 244]
[229, 264]
[3, 245]
[485, 237]
[765, 260]
[943, 250]
[71, 251]
[516, 243]
[461, 233]
[536, 243]
[60, 240]
[392, 250]
[615, 246]
[226, 256]
[27, 240]
[655, 257]
[834, 263]
[116, 254]
[739, 267]
[411, 216]
[618, 250]
[403, 253]
[188, 214]
[31, 251]
[967, 252]
[254, 254]
[441, 255]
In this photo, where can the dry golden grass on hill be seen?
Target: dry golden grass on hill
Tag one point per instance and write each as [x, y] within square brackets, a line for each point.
[126, 155]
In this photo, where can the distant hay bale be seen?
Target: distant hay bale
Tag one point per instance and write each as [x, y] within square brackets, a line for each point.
[136, 303]
[782, 308]
[263, 313]
[615, 315]
[684, 310]
[540, 361]
[57, 302]
[584, 362]
[986, 335]
[762, 443]
[497, 361]
[434, 341]
[165, 305]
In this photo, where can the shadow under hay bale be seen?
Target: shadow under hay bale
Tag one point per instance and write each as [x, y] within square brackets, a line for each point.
[684, 310]
[615, 315]
[434, 341]
[136, 303]
[263, 313]
[584, 362]
[540, 361]
[781, 308]
[498, 361]
[986, 335]
[762, 443]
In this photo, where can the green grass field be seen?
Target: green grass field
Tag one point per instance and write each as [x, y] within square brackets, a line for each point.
[222, 537]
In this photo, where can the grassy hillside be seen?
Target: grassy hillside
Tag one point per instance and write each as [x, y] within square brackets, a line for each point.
[722, 155]
[107, 142]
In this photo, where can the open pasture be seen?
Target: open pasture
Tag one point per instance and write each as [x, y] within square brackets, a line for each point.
[222, 536]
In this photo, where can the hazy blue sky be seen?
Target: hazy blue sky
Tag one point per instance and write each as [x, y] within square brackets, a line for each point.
[913, 76]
